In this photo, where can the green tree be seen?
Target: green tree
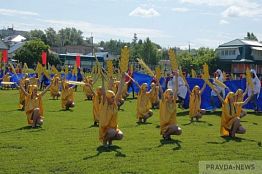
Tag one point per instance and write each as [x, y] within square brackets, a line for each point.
[251, 36]
[70, 36]
[197, 59]
[31, 52]
[51, 37]
[36, 34]
[53, 59]
[149, 52]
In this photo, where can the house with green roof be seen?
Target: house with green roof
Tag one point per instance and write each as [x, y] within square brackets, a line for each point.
[235, 56]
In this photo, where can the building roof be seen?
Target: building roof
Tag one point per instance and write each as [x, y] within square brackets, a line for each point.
[15, 47]
[241, 42]
[14, 38]
[3, 46]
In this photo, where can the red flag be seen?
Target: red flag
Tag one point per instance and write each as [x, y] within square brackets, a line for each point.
[44, 58]
[78, 61]
[4, 55]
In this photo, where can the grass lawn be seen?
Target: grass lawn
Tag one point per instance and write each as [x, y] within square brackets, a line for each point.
[67, 142]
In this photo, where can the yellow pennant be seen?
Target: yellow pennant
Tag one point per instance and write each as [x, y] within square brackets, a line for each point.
[146, 68]
[172, 58]
[110, 68]
[124, 59]
[206, 71]
[249, 79]
[158, 72]
[25, 68]
[193, 73]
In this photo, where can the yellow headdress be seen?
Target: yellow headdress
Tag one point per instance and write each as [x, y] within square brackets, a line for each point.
[168, 93]
[239, 91]
[143, 86]
[110, 94]
[32, 88]
[230, 95]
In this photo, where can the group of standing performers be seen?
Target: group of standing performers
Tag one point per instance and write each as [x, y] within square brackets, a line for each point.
[108, 98]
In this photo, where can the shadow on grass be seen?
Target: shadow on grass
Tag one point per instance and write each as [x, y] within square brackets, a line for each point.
[13, 110]
[199, 121]
[183, 113]
[60, 110]
[171, 141]
[91, 126]
[102, 149]
[140, 124]
[210, 113]
[24, 128]
[235, 139]
[256, 113]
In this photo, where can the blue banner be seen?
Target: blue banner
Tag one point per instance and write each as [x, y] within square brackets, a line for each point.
[206, 96]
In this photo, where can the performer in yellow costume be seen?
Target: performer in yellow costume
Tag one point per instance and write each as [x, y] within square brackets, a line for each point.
[154, 95]
[6, 78]
[113, 85]
[25, 82]
[108, 128]
[54, 89]
[125, 93]
[86, 88]
[67, 96]
[97, 97]
[168, 110]
[230, 119]
[195, 102]
[33, 105]
[239, 97]
[143, 104]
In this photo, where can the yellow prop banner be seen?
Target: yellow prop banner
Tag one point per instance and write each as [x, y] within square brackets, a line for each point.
[110, 68]
[249, 79]
[25, 68]
[172, 58]
[193, 73]
[206, 71]
[158, 72]
[124, 59]
[147, 69]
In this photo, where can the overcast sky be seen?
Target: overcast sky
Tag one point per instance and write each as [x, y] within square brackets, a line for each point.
[169, 23]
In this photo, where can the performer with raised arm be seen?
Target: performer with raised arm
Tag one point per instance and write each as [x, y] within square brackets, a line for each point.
[239, 97]
[113, 85]
[230, 119]
[54, 89]
[33, 105]
[168, 110]
[25, 82]
[97, 98]
[143, 104]
[195, 102]
[218, 80]
[67, 96]
[87, 90]
[108, 124]
[154, 95]
[182, 89]
[253, 87]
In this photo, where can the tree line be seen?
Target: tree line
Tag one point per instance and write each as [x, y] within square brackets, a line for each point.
[149, 51]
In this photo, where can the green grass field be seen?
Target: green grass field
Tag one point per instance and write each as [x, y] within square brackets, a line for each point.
[67, 142]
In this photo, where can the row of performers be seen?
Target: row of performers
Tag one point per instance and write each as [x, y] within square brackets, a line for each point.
[106, 103]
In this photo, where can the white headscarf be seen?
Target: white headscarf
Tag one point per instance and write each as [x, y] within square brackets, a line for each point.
[220, 73]
[257, 84]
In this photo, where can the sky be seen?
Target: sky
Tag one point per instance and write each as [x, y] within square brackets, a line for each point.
[169, 23]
